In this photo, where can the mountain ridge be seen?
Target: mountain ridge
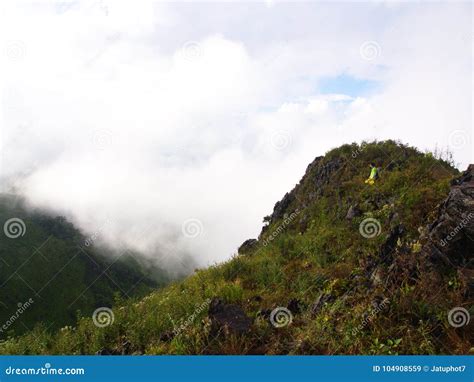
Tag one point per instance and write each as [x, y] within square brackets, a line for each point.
[340, 267]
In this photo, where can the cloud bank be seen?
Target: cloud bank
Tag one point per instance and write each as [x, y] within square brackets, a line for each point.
[180, 125]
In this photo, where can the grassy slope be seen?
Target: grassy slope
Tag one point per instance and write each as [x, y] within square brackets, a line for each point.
[51, 265]
[318, 252]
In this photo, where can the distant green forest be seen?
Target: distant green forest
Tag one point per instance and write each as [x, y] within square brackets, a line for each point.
[62, 274]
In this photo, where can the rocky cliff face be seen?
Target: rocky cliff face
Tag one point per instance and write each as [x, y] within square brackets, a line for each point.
[318, 175]
[451, 236]
[450, 243]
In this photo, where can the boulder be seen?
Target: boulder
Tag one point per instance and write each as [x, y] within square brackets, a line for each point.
[294, 306]
[229, 317]
[166, 336]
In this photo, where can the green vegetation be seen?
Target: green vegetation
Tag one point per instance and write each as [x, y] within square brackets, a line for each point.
[320, 254]
[53, 264]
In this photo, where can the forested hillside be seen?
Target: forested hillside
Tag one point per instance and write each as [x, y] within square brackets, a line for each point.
[51, 273]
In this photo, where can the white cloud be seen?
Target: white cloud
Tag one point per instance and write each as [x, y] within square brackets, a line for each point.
[317, 106]
[150, 115]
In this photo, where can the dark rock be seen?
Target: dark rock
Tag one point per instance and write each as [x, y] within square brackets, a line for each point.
[294, 306]
[281, 207]
[451, 236]
[325, 172]
[388, 247]
[264, 229]
[247, 246]
[314, 164]
[466, 177]
[166, 336]
[228, 316]
[106, 351]
[353, 212]
[256, 298]
[319, 174]
[265, 313]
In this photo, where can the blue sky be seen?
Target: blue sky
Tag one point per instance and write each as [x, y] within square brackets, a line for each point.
[346, 84]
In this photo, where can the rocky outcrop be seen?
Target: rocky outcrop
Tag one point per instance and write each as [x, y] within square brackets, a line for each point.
[325, 172]
[319, 174]
[281, 207]
[228, 317]
[451, 236]
[247, 246]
